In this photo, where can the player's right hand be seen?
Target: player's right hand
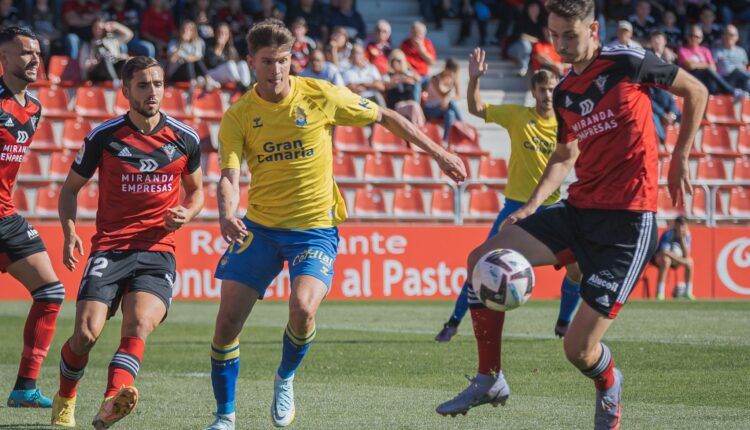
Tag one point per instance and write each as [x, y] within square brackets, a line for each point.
[453, 166]
[520, 214]
[477, 66]
[233, 230]
[69, 248]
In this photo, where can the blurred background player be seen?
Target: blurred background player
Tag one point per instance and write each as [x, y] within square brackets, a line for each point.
[533, 136]
[607, 224]
[22, 252]
[672, 252]
[282, 128]
[144, 157]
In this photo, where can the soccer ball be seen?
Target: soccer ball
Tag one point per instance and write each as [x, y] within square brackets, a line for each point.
[503, 279]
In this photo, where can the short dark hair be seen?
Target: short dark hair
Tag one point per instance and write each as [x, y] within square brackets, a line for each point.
[451, 64]
[270, 33]
[681, 219]
[541, 77]
[137, 64]
[9, 33]
[571, 9]
[656, 33]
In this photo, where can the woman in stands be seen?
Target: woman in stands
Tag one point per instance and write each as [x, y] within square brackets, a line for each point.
[186, 55]
[401, 83]
[224, 62]
[442, 93]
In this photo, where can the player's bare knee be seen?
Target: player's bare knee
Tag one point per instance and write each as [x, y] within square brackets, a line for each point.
[472, 260]
[83, 340]
[302, 317]
[140, 329]
[228, 327]
[578, 353]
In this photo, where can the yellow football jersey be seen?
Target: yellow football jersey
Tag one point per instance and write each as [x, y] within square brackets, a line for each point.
[532, 141]
[289, 151]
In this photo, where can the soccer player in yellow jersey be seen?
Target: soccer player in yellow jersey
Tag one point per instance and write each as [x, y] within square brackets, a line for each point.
[533, 137]
[282, 128]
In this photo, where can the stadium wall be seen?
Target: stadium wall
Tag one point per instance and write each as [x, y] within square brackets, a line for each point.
[414, 262]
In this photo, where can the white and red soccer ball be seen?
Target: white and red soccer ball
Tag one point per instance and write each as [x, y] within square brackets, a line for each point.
[503, 279]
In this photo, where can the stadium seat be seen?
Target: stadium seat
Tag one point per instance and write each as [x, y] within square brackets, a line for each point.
[743, 140]
[716, 142]
[739, 202]
[121, 103]
[174, 104]
[369, 201]
[745, 115]
[665, 207]
[211, 201]
[443, 202]
[670, 139]
[710, 169]
[408, 201]
[493, 169]
[382, 140]
[55, 102]
[467, 165]
[59, 164]
[207, 105]
[465, 145]
[433, 131]
[91, 103]
[64, 71]
[236, 95]
[213, 171]
[483, 201]
[379, 166]
[417, 166]
[88, 200]
[343, 166]
[44, 138]
[31, 167]
[351, 139]
[46, 201]
[742, 170]
[20, 200]
[720, 110]
[698, 203]
[204, 133]
[74, 131]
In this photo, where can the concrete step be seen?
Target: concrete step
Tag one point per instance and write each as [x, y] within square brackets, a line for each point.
[387, 8]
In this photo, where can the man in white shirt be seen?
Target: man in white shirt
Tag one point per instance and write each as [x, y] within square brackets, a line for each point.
[363, 78]
[731, 60]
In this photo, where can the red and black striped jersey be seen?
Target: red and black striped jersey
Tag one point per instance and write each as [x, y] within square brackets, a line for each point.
[17, 127]
[607, 109]
[139, 179]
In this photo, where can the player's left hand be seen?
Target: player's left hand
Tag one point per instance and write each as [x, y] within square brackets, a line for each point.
[176, 217]
[453, 166]
[678, 181]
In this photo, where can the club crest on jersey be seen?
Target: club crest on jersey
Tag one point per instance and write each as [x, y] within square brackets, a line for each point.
[586, 107]
[601, 82]
[300, 118]
[169, 149]
[257, 122]
[568, 101]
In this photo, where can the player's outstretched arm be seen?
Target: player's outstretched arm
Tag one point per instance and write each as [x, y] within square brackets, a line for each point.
[477, 69]
[191, 206]
[696, 98]
[449, 163]
[232, 229]
[67, 208]
[558, 168]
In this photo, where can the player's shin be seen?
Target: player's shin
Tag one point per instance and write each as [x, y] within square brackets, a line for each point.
[295, 346]
[38, 332]
[125, 364]
[488, 331]
[225, 367]
[602, 372]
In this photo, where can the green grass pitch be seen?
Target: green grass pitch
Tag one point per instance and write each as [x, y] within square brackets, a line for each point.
[375, 366]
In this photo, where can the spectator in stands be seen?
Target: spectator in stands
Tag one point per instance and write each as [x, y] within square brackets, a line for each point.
[128, 14]
[712, 32]
[78, 15]
[302, 47]
[319, 68]
[185, 55]
[43, 22]
[420, 53]
[671, 30]
[204, 15]
[698, 60]
[346, 16]
[315, 16]
[379, 49]
[508, 13]
[158, 26]
[731, 60]
[618, 10]
[526, 32]
[363, 78]
[9, 14]
[436, 10]
[442, 93]
[659, 46]
[401, 83]
[664, 109]
[642, 21]
[673, 251]
[735, 11]
[544, 56]
[477, 11]
[239, 21]
[339, 48]
[625, 35]
[270, 9]
[224, 63]
[102, 58]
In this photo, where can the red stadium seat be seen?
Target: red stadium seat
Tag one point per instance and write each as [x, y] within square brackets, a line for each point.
[408, 201]
[493, 169]
[74, 131]
[384, 141]
[30, 167]
[443, 202]
[236, 95]
[379, 166]
[710, 169]
[44, 138]
[698, 203]
[417, 166]
[467, 165]
[742, 170]
[91, 103]
[204, 134]
[20, 201]
[670, 139]
[369, 201]
[213, 171]
[64, 71]
[59, 164]
[121, 103]
[207, 105]
[483, 201]
[46, 200]
[88, 200]
[433, 131]
[743, 140]
[664, 204]
[720, 110]
[343, 166]
[174, 103]
[462, 144]
[351, 139]
[55, 102]
[745, 116]
[739, 202]
[716, 142]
